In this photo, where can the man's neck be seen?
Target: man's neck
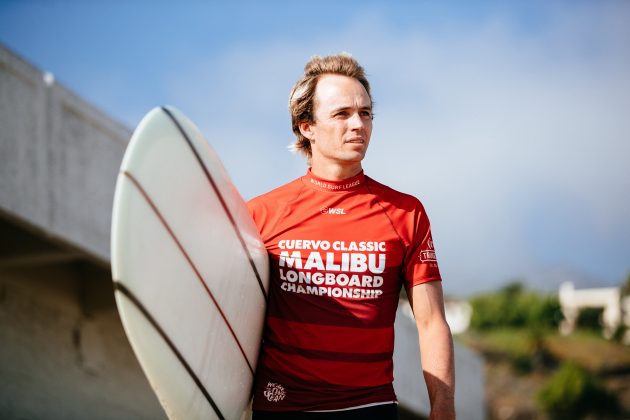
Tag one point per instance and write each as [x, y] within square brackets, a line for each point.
[336, 172]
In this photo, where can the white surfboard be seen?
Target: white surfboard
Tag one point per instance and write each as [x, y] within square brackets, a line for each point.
[190, 271]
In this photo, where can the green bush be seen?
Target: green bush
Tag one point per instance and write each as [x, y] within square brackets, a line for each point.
[572, 393]
[532, 353]
[512, 306]
[521, 363]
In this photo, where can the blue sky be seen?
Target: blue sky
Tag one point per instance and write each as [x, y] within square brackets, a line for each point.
[509, 120]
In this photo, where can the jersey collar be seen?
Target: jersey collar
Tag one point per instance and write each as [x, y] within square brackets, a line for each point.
[334, 186]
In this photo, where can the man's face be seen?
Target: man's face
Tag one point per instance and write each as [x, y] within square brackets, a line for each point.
[343, 121]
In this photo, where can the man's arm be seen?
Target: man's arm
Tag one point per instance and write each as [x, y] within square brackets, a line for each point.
[436, 348]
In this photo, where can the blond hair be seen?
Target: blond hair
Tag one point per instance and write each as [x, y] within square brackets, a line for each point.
[302, 97]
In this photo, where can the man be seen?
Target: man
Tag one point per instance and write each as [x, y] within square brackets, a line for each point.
[341, 246]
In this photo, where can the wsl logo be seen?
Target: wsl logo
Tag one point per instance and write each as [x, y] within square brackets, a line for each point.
[332, 210]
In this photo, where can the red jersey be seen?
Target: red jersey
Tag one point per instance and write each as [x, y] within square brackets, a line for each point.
[339, 254]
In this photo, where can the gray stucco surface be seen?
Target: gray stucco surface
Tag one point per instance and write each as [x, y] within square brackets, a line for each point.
[60, 158]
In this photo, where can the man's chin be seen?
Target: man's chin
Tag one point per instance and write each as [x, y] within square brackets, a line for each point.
[353, 157]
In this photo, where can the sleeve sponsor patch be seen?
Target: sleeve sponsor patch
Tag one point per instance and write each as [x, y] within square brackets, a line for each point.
[427, 254]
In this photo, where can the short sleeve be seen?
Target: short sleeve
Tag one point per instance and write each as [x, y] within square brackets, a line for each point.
[421, 262]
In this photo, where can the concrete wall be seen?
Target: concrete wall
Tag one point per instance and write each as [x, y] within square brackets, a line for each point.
[60, 158]
[63, 352]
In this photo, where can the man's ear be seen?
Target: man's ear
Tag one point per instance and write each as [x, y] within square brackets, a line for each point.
[306, 128]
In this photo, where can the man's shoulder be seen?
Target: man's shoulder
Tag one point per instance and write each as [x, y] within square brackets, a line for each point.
[281, 194]
[391, 195]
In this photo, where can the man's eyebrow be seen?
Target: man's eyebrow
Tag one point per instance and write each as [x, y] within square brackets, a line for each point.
[346, 107]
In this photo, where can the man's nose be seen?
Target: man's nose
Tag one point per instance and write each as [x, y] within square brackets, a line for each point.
[355, 121]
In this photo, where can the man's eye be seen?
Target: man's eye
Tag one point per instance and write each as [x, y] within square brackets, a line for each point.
[341, 114]
[366, 113]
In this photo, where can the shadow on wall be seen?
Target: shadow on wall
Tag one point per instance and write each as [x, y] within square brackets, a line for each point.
[64, 354]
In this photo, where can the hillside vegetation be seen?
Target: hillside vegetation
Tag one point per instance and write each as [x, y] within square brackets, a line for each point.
[532, 372]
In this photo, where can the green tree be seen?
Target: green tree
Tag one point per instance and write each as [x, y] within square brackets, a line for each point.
[513, 306]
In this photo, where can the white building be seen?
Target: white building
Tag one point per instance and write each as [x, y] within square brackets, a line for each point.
[616, 310]
[458, 315]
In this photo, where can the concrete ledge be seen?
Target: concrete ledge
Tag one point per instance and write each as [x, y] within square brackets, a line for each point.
[59, 158]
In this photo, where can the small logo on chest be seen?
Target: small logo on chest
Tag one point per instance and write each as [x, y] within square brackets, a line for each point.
[332, 210]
